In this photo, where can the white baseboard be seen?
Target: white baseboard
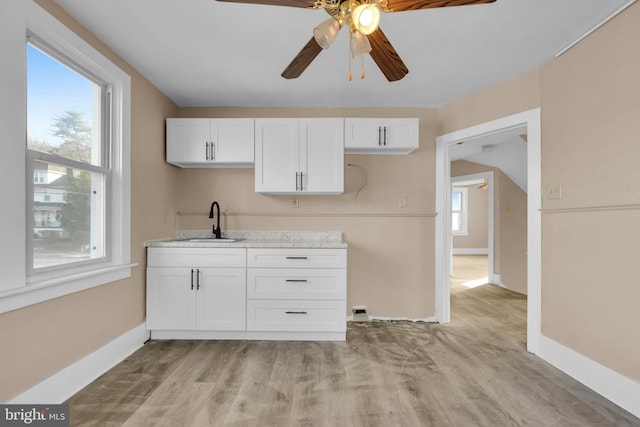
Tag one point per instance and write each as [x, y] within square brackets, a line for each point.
[65, 383]
[470, 251]
[619, 389]
[424, 319]
[496, 279]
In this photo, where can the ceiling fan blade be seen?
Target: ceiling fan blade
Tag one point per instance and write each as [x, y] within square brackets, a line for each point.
[386, 57]
[401, 5]
[302, 60]
[290, 3]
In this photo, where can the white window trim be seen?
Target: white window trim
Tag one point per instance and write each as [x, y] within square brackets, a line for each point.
[38, 22]
[464, 212]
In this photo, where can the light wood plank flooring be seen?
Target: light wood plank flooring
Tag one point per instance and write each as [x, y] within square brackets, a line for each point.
[472, 372]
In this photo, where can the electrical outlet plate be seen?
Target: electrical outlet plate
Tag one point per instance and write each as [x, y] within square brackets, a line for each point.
[295, 202]
[554, 191]
[404, 201]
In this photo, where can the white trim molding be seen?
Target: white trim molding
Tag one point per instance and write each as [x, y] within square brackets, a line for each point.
[530, 119]
[471, 251]
[68, 381]
[619, 389]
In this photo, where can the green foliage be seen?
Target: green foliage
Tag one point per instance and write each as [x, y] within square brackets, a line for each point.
[75, 135]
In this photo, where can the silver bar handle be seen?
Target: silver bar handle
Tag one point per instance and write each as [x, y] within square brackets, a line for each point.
[207, 151]
[379, 135]
[300, 181]
[385, 137]
[296, 280]
[213, 151]
[297, 181]
[198, 279]
[295, 312]
[297, 257]
[192, 279]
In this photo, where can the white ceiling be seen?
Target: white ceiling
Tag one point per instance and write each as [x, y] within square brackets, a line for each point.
[210, 53]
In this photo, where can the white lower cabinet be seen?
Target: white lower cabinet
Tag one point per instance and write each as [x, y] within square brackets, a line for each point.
[254, 293]
[188, 289]
[301, 290]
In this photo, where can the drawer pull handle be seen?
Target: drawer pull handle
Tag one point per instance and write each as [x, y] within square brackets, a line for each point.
[295, 312]
[297, 257]
[297, 280]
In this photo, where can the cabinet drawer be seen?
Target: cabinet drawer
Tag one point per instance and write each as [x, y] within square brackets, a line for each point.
[196, 257]
[296, 316]
[297, 258]
[276, 283]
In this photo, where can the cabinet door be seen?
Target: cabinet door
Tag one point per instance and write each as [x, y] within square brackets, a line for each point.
[277, 154]
[381, 136]
[222, 299]
[322, 156]
[171, 303]
[187, 141]
[233, 141]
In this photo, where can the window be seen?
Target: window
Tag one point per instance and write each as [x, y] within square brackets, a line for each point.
[67, 145]
[459, 211]
[69, 228]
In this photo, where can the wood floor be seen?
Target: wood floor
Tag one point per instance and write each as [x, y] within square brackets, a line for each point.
[472, 372]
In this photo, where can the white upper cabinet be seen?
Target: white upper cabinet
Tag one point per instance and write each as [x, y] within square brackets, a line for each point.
[198, 143]
[300, 156]
[381, 136]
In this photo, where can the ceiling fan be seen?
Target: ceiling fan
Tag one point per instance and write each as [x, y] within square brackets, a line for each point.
[362, 18]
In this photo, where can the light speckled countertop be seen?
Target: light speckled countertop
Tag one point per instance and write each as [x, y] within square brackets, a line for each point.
[254, 239]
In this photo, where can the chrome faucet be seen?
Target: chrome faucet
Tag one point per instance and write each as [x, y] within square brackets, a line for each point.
[216, 227]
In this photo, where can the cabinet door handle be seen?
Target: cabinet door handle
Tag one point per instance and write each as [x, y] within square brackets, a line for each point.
[300, 181]
[297, 280]
[379, 135]
[297, 181]
[385, 137]
[198, 279]
[206, 155]
[296, 312]
[297, 257]
[213, 151]
[192, 279]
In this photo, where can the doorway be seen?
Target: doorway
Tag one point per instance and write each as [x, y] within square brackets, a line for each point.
[530, 120]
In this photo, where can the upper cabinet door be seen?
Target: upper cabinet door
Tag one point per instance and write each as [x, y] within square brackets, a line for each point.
[187, 141]
[300, 156]
[233, 141]
[210, 142]
[381, 136]
[322, 156]
[277, 154]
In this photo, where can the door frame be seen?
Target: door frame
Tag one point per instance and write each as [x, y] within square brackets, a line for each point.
[530, 119]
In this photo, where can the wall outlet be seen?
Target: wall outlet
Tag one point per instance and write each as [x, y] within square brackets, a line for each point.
[404, 201]
[295, 202]
[554, 191]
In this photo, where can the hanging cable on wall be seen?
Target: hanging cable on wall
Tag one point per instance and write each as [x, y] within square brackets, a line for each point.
[364, 177]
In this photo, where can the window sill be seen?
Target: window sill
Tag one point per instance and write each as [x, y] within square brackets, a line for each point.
[45, 290]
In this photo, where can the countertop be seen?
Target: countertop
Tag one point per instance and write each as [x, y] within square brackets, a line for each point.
[255, 239]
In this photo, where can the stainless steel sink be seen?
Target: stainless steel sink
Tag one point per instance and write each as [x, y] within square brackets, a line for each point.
[212, 240]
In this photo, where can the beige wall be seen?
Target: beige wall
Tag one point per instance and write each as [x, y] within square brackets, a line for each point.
[590, 110]
[391, 252]
[49, 336]
[589, 104]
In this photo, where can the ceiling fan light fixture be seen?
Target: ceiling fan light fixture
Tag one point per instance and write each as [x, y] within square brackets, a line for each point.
[359, 44]
[326, 32]
[366, 18]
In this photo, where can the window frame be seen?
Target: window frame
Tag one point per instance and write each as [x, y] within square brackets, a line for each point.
[40, 25]
[464, 210]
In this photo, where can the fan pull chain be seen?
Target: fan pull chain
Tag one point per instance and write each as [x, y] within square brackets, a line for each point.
[362, 69]
[349, 75]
